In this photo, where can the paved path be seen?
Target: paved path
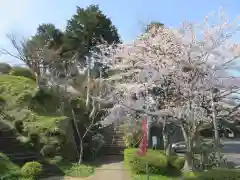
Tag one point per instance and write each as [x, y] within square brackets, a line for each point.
[65, 178]
[111, 169]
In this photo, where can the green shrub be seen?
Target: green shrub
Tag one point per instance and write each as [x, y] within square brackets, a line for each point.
[131, 140]
[190, 176]
[176, 162]
[5, 68]
[214, 174]
[8, 170]
[31, 169]
[13, 176]
[132, 136]
[220, 174]
[21, 71]
[48, 151]
[34, 137]
[157, 161]
[18, 125]
[77, 170]
[4, 157]
[2, 102]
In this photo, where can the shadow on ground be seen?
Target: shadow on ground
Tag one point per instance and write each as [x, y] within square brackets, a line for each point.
[108, 160]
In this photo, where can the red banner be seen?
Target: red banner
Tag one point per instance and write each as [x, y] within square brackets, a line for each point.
[143, 144]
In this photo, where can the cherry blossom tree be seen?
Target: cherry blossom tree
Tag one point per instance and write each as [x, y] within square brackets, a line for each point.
[174, 76]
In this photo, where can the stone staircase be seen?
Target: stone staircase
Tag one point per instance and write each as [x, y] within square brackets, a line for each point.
[114, 144]
[17, 151]
[20, 153]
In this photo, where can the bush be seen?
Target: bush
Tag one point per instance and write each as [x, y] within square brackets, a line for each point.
[5, 68]
[21, 71]
[34, 138]
[157, 161]
[18, 125]
[2, 102]
[132, 135]
[8, 170]
[220, 174]
[48, 151]
[4, 157]
[77, 170]
[176, 162]
[190, 176]
[214, 174]
[31, 169]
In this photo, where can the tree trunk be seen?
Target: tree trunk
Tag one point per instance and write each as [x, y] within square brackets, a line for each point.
[37, 80]
[215, 125]
[165, 137]
[77, 129]
[169, 149]
[169, 146]
[88, 83]
[189, 165]
[80, 152]
[165, 141]
[100, 86]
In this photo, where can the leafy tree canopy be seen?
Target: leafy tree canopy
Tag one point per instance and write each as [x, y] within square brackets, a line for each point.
[87, 28]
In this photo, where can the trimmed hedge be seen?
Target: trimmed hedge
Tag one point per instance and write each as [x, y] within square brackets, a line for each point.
[220, 174]
[176, 162]
[31, 169]
[214, 174]
[158, 163]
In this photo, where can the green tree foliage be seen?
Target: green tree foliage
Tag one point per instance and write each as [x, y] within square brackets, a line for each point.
[87, 28]
[5, 68]
[153, 24]
[22, 71]
[50, 35]
[52, 50]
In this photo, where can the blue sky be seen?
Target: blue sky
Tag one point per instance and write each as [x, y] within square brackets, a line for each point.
[21, 17]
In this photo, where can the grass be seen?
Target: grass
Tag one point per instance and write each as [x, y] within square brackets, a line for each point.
[18, 93]
[18, 102]
[152, 177]
[7, 168]
[76, 170]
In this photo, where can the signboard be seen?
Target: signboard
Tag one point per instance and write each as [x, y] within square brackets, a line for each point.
[154, 141]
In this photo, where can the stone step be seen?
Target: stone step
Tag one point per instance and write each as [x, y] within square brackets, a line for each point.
[10, 147]
[50, 170]
[113, 150]
[23, 158]
[115, 141]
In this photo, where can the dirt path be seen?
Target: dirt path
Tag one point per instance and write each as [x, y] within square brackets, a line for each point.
[66, 178]
[109, 172]
[111, 169]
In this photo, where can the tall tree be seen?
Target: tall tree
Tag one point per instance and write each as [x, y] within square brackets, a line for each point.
[49, 35]
[175, 70]
[87, 28]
